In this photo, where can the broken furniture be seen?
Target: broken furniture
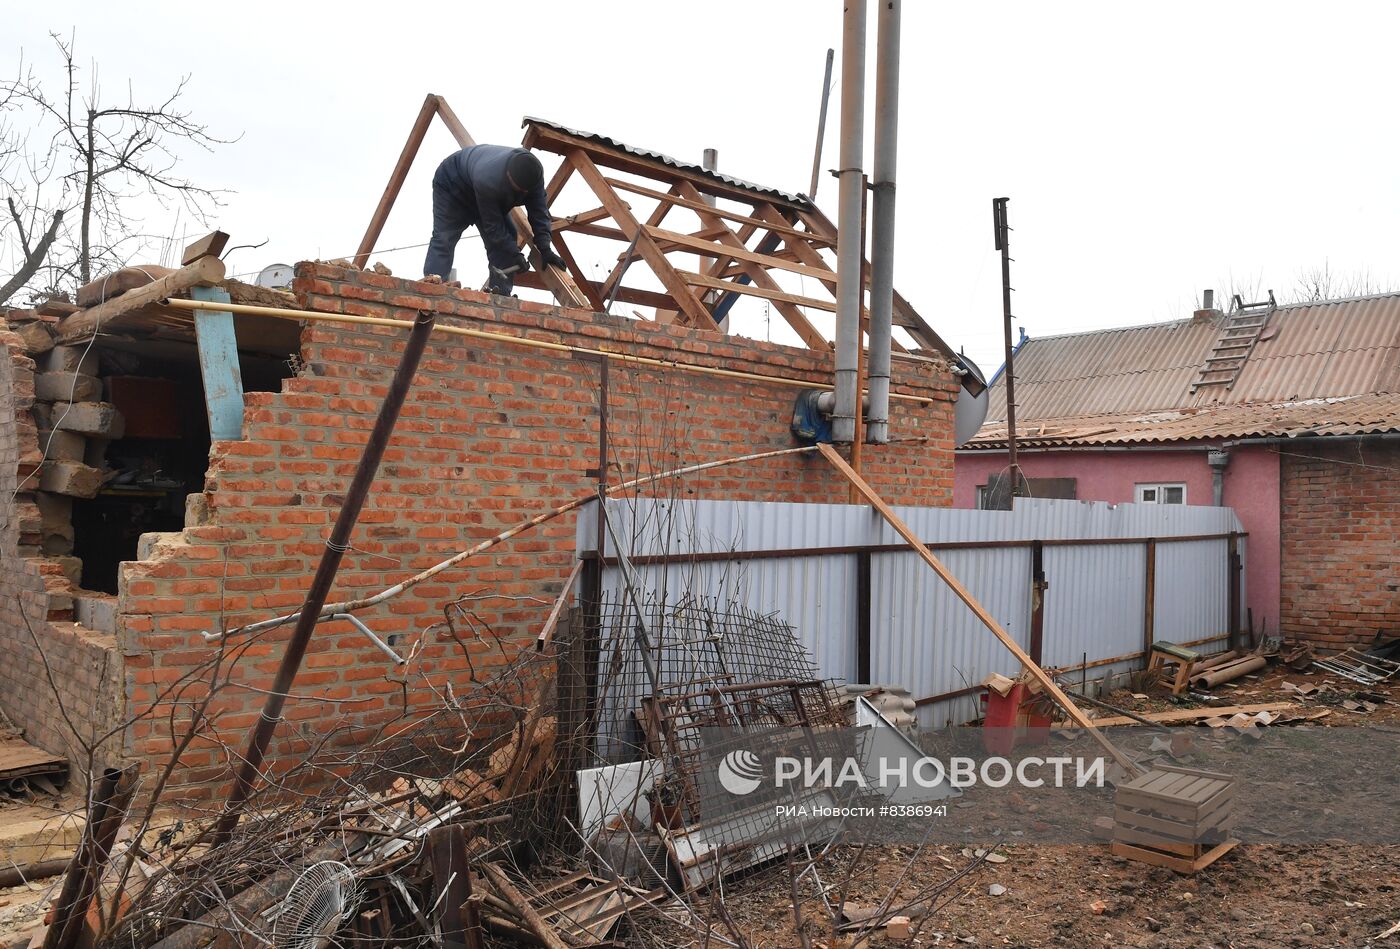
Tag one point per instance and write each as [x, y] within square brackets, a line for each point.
[1185, 660]
[1178, 818]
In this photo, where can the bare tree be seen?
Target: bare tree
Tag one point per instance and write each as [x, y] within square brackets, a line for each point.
[72, 199]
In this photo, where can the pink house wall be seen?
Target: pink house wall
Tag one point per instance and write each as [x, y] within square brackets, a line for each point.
[1251, 488]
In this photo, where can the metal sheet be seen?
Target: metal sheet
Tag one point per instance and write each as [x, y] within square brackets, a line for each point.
[922, 636]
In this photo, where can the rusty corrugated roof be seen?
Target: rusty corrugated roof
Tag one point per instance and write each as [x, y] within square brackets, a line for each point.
[1318, 368]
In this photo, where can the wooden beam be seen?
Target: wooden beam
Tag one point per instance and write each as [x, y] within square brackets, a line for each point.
[396, 179]
[561, 246]
[562, 143]
[749, 290]
[583, 217]
[206, 271]
[646, 246]
[210, 245]
[653, 298]
[614, 278]
[217, 346]
[961, 592]
[719, 212]
[712, 249]
[761, 278]
[559, 282]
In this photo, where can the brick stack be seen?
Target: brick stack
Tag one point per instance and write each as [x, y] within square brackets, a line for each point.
[1340, 534]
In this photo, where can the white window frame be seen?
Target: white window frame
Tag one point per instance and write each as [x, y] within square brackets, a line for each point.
[1158, 490]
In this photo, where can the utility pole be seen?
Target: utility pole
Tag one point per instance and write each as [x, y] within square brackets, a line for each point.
[1003, 244]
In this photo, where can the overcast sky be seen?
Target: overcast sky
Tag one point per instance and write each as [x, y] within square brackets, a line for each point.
[1148, 150]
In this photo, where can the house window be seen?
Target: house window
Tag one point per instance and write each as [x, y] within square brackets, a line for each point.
[1161, 494]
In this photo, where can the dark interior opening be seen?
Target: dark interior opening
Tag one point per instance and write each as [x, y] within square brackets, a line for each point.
[164, 452]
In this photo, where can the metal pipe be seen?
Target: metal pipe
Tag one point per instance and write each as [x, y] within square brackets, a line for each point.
[821, 125]
[877, 431]
[110, 798]
[849, 252]
[284, 313]
[1228, 672]
[250, 769]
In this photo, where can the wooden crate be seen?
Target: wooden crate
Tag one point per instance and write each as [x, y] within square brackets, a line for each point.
[1179, 818]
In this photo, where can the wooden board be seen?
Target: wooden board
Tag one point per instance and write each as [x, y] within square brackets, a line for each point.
[1186, 715]
[1179, 864]
[18, 759]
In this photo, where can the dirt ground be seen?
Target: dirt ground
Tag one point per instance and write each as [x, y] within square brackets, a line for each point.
[1254, 897]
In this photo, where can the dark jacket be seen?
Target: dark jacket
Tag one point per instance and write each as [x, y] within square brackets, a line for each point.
[476, 177]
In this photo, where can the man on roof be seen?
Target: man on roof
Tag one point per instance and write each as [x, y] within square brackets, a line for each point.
[479, 186]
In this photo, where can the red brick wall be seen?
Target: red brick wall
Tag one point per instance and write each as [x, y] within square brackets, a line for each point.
[491, 434]
[1341, 542]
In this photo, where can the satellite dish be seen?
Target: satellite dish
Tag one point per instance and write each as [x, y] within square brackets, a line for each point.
[276, 276]
[969, 411]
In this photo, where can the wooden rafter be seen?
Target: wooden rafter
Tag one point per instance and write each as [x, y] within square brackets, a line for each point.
[646, 246]
[700, 206]
[789, 311]
[614, 279]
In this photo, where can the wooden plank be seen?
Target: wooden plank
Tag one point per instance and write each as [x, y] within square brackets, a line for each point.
[210, 245]
[646, 246]
[712, 249]
[1179, 864]
[1189, 714]
[734, 216]
[700, 280]
[1170, 826]
[1173, 807]
[552, 621]
[961, 592]
[19, 758]
[561, 247]
[624, 260]
[218, 366]
[761, 278]
[396, 180]
[203, 272]
[583, 217]
[562, 143]
[560, 283]
[654, 298]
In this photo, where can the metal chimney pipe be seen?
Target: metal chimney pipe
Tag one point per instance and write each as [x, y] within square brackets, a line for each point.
[877, 430]
[849, 251]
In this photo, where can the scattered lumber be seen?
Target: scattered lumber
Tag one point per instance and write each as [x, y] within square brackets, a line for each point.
[203, 272]
[210, 245]
[1184, 715]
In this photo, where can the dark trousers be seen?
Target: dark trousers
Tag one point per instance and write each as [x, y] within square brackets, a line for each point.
[451, 217]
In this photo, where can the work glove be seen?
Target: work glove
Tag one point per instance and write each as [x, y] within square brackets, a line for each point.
[549, 258]
[519, 262]
[500, 283]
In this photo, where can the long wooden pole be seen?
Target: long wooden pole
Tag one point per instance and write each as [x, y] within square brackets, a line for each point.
[903, 530]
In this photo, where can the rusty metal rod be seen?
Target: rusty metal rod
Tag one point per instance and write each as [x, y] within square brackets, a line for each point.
[110, 799]
[250, 770]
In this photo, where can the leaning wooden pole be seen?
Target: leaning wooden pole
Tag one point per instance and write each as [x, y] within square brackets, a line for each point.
[250, 769]
[110, 799]
[1040, 675]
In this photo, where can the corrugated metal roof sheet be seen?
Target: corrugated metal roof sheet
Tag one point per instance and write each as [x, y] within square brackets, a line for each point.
[1349, 415]
[688, 167]
[1313, 370]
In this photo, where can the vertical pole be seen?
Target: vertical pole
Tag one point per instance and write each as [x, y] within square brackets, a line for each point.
[1003, 244]
[863, 617]
[219, 371]
[1149, 599]
[858, 438]
[882, 226]
[849, 252]
[1233, 566]
[111, 796]
[250, 769]
[821, 126]
[1038, 587]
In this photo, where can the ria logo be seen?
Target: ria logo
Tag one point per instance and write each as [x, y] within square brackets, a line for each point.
[740, 772]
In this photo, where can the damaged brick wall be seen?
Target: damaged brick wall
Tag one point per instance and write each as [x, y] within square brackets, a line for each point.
[491, 434]
[1341, 543]
[60, 684]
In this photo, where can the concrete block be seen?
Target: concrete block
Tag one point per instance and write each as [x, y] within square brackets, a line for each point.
[146, 544]
[88, 418]
[67, 387]
[196, 510]
[37, 336]
[55, 545]
[63, 446]
[70, 478]
[55, 513]
[70, 359]
[72, 568]
[96, 611]
[39, 838]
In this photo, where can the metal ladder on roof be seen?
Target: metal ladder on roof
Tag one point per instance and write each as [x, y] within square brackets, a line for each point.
[1238, 334]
